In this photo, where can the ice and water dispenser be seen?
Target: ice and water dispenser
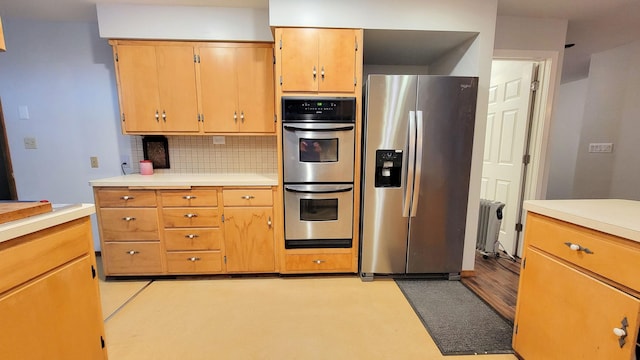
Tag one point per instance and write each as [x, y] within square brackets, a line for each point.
[388, 168]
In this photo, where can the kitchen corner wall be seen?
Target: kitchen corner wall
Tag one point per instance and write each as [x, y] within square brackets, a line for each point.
[199, 155]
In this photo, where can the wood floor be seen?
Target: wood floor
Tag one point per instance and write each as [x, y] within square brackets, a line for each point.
[496, 282]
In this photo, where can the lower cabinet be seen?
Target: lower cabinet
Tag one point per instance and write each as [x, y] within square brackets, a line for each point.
[170, 231]
[49, 299]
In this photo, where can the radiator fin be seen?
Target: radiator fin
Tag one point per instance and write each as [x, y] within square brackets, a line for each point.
[489, 221]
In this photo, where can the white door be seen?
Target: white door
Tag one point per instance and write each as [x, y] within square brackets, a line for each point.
[507, 126]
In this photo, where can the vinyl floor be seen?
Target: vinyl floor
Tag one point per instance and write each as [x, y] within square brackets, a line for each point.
[334, 317]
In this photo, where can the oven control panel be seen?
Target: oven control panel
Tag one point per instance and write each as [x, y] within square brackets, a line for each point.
[334, 109]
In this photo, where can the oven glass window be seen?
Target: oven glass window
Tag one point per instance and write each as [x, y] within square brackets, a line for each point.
[318, 209]
[318, 150]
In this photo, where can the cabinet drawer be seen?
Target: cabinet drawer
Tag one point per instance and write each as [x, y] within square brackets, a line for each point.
[122, 197]
[318, 262]
[185, 262]
[193, 239]
[191, 217]
[28, 256]
[132, 258]
[247, 197]
[189, 198]
[129, 224]
[614, 258]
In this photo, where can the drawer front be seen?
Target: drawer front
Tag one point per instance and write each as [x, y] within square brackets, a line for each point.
[191, 217]
[193, 239]
[129, 224]
[248, 197]
[122, 197]
[26, 257]
[318, 263]
[189, 198]
[132, 258]
[195, 262]
[614, 258]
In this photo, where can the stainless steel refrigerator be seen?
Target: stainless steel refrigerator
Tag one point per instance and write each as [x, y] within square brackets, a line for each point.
[418, 137]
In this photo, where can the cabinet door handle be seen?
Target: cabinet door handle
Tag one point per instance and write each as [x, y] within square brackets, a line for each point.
[164, 116]
[621, 332]
[157, 116]
[235, 117]
[269, 221]
[314, 72]
[128, 218]
[322, 72]
[132, 252]
[577, 247]
[190, 215]
[127, 197]
[191, 236]
[188, 197]
[318, 261]
[242, 116]
[194, 259]
[248, 197]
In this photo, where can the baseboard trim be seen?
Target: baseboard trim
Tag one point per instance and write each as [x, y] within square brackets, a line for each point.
[467, 273]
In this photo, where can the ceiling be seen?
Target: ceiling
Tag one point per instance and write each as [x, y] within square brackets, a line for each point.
[594, 25]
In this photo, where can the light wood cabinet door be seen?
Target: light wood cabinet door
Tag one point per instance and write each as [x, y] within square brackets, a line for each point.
[138, 81]
[54, 317]
[236, 85]
[322, 60]
[563, 313]
[157, 88]
[249, 243]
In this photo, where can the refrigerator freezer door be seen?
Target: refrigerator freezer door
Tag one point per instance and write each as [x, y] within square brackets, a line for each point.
[384, 229]
[436, 232]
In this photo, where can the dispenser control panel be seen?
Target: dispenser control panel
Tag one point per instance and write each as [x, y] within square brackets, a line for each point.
[388, 168]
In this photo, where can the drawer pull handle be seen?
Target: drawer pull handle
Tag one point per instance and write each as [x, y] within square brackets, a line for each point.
[318, 261]
[133, 252]
[248, 197]
[621, 332]
[127, 197]
[190, 215]
[188, 197]
[191, 236]
[128, 218]
[193, 259]
[576, 247]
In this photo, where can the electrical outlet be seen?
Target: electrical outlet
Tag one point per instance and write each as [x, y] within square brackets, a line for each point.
[218, 140]
[30, 143]
[600, 147]
[94, 161]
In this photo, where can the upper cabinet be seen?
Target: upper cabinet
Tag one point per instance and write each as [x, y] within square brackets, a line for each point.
[172, 87]
[318, 60]
[236, 88]
[157, 86]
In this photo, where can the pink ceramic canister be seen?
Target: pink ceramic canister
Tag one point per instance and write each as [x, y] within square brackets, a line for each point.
[146, 167]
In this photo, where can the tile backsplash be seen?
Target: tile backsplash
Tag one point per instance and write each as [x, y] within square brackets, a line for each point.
[199, 155]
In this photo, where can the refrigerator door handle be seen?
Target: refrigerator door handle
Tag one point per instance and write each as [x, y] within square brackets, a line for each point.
[410, 164]
[418, 171]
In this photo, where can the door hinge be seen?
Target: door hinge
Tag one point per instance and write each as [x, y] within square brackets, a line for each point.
[524, 263]
[225, 259]
[355, 81]
[280, 80]
[101, 341]
[275, 118]
[122, 117]
[519, 227]
[222, 217]
[274, 59]
[117, 57]
[516, 329]
[280, 43]
[93, 272]
[534, 85]
[356, 44]
[526, 159]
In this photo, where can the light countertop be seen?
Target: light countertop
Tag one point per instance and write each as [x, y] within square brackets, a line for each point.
[60, 214]
[612, 216]
[173, 180]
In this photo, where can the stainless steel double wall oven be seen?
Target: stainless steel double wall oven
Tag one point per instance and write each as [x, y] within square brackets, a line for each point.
[318, 136]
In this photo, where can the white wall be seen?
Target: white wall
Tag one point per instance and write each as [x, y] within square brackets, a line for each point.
[428, 15]
[612, 105]
[63, 72]
[565, 138]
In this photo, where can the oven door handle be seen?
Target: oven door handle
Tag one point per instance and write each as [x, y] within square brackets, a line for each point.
[303, 189]
[341, 128]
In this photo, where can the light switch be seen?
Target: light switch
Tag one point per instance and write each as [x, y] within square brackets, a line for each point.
[30, 143]
[23, 112]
